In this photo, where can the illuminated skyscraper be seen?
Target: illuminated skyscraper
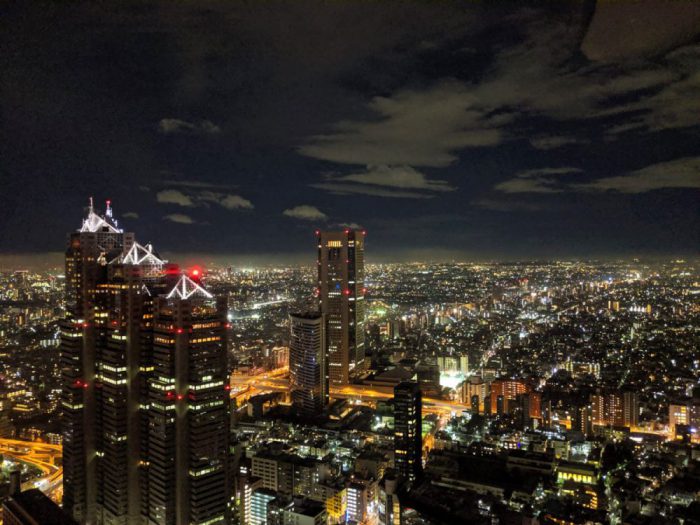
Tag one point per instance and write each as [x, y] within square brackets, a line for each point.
[408, 426]
[120, 297]
[187, 404]
[96, 242]
[308, 363]
[341, 288]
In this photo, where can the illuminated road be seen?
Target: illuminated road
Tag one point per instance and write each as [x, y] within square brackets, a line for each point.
[276, 381]
[42, 456]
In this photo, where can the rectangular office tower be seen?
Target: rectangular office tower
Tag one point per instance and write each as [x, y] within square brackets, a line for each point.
[115, 353]
[308, 363]
[341, 289]
[408, 427]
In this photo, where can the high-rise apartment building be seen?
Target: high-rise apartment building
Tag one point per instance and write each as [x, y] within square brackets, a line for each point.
[308, 363]
[145, 405]
[615, 408]
[505, 390]
[341, 289]
[408, 426]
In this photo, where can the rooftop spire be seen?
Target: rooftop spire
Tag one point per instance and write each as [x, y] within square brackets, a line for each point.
[95, 223]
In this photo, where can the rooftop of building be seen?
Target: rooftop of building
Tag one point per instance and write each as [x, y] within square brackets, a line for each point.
[306, 315]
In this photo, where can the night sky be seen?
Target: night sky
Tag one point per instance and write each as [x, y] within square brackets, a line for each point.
[469, 130]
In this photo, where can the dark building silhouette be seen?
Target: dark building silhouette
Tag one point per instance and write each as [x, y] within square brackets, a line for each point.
[33, 507]
[408, 426]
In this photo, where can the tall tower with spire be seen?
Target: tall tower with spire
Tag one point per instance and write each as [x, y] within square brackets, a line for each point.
[98, 240]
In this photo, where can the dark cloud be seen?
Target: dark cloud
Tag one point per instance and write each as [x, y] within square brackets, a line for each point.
[552, 142]
[678, 173]
[422, 121]
[169, 126]
[540, 180]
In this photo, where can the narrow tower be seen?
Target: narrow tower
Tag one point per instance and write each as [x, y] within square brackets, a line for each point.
[341, 288]
[408, 426]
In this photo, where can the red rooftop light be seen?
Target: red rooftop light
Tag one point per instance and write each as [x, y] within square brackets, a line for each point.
[347, 230]
[179, 330]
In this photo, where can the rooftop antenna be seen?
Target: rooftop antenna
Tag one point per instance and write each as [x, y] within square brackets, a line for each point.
[108, 211]
[91, 207]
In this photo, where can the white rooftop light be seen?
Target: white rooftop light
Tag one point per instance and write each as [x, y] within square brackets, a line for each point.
[139, 254]
[186, 288]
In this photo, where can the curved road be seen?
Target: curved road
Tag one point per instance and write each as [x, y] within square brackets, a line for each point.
[42, 456]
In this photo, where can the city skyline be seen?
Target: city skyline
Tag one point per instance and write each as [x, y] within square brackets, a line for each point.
[303, 262]
[477, 132]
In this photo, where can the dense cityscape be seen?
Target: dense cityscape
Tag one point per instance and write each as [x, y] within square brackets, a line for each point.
[345, 392]
[314, 262]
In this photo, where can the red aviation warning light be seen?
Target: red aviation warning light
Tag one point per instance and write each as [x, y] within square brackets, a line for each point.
[195, 272]
[346, 291]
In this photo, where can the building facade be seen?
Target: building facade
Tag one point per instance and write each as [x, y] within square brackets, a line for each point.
[408, 428]
[341, 290]
[308, 363]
